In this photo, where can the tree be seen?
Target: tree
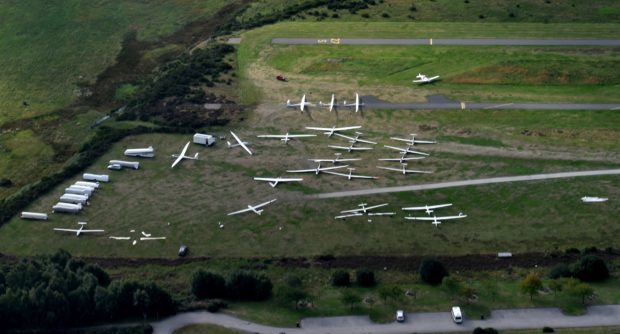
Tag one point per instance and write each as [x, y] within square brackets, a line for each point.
[141, 301]
[432, 271]
[531, 284]
[341, 278]
[591, 268]
[467, 292]
[365, 277]
[556, 285]
[248, 286]
[350, 298]
[580, 289]
[208, 285]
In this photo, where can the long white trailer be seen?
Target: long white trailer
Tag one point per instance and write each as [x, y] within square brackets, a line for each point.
[74, 199]
[34, 215]
[96, 177]
[87, 184]
[78, 190]
[125, 164]
[66, 207]
[148, 152]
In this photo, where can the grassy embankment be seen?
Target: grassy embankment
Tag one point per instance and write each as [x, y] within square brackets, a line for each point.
[48, 52]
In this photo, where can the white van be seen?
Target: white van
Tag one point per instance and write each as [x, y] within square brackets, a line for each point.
[457, 316]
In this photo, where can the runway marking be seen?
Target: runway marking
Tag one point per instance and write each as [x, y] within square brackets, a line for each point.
[430, 41]
[499, 105]
[335, 41]
[462, 105]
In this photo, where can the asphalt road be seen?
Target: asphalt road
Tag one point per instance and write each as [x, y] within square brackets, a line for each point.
[451, 184]
[445, 41]
[604, 315]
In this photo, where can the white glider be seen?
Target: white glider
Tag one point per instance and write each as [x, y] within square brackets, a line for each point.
[437, 220]
[351, 176]
[182, 156]
[330, 131]
[331, 104]
[316, 170]
[404, 170]
[253, 208]
[414, 141]
[241, 143]
[286, 137]
[355, 139]
[350, 148]
[273, 181]
[336, 160]
[301, 104]
[356, 105]
[428, 208]
[406, 150]
[78, 231]
[423, 79]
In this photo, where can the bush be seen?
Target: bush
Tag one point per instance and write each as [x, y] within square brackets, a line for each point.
[432, 271]
[341, 278]
[216, 305]
[488, 330]
[548, 330]
[248, 286]
[559, 271]
[208, 285]
[365, 277]
[591, 269]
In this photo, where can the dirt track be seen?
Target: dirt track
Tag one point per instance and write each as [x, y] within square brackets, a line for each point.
[472, 262]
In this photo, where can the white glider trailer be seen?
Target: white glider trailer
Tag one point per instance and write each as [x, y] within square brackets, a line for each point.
[34, 215]
[78, 190]
[87, 184]
[125, 164]
[96, 177]
[74, 199]
[204, 139]
[66, 207]
[148, 152]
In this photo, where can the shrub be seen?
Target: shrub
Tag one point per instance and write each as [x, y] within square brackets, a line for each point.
[591, 269]
[341, 278]
[208, 285]
[432, 271]
[548, 330]
[560, 270]
[488, 330]
[215, 305]
[365, 277]
[248, 286]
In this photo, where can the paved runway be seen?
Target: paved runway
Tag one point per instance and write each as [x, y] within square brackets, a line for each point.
[446, 41]
[451, 184]
[494, 105]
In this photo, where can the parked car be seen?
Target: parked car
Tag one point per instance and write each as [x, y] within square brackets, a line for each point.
[183, 250]
[400, 316]
[457, 316]
[281, 78]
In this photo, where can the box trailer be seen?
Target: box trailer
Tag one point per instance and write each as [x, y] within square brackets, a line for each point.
[34, 215]
[66, 207]
[87, 184]
[204, 139]
[148, 152]
[96, 177]
[74, 199]
[125, 164]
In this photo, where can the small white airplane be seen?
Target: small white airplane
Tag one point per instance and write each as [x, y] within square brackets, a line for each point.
[350, 148]
[355, 139]
[253, 208]
[404, 170]
[422, 79]
[349, 215]
[316, 170]
[406, 150]
[78, 231]
[302, 105]
[240, 143]
[363, 208]
[273, 181]
[357, 103]
[331, 104]
[413, 141]
[336, 160]
[428, 208]
[403, 158]
[330, 131]
[351, 176]
[437, 220]
[286, 137]
[182, 156]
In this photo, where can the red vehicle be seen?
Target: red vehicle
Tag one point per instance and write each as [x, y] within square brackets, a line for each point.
[281, 78]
